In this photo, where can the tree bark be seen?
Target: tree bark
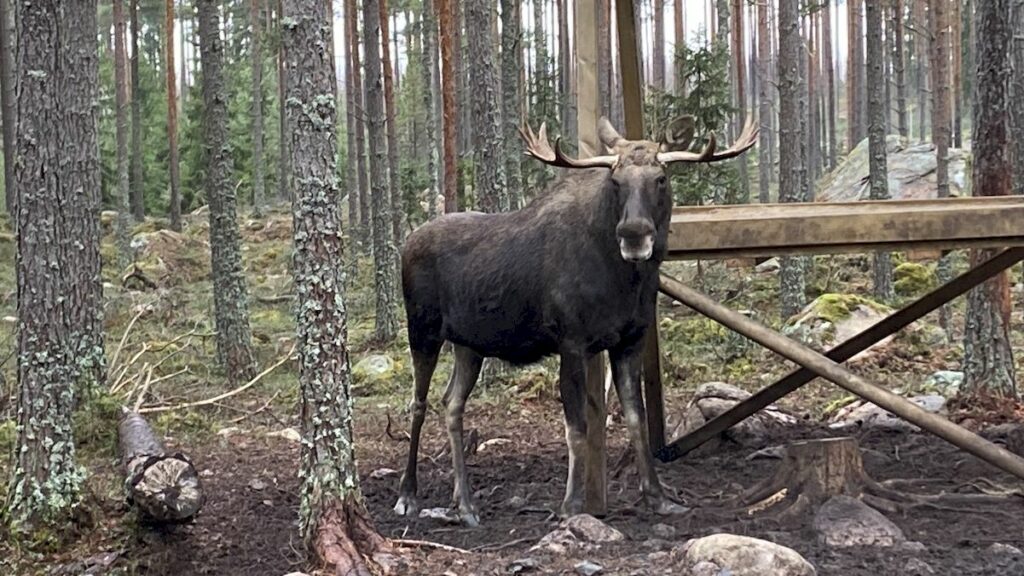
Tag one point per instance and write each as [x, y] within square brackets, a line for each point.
[397, 212]
[172, 117]
[488, 146]
[739, 94]
[258, 186]
[121, 104]
[163, 486]
[680, 41]
[877, 112]
[813, 116]
[765, 111]
[604, 58]
[988, 356]
[956, 32]
[363, 233]
[230, 297]
[351, 166]
[60, 337]
[791, 171]
[1017, 96]
[658, 53]
[284, 189]
[434, 121]
[8, 105]
[333, 521]
[448, 81]
[855, 70]
[830, 85]
[511, 63]
[921, 46]
[565, 72]
[136, 200]
[384, 260]
[899, 69]
[940, 44]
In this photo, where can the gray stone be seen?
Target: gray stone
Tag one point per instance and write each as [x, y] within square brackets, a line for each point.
[588, 568]
[869, 416]
[445, 515]
[917, 567]
[771, 265]
[843, 521]
[742, 556]
[556, 542]
[1001, 549]
[911, 547]
[523, 565]
[374, 368]
[590, 529]
[945, 382]
[714, 398]
[663, 531]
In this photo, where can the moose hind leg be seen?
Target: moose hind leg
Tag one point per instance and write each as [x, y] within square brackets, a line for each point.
[464, 377]
[571, 381]
[626, 374]
[423, 365]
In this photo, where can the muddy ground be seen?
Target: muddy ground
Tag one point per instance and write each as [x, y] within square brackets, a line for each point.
[247, 527]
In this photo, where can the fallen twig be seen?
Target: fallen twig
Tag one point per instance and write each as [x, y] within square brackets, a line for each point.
[220, 397]
[143, 390]
[427, 544]
[124, 337]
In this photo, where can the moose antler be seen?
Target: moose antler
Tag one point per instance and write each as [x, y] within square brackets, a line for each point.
[746, 139]
[537, 145]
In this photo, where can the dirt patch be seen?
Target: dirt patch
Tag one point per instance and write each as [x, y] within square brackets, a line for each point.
[244, 530]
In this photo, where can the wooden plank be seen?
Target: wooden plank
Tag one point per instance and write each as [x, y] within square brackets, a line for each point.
[828, 228]
[848, 349]
[654, 401]
[834, 372]
[629, 64]
[595, 466]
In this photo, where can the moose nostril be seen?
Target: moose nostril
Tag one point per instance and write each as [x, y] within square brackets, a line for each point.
[634, 229]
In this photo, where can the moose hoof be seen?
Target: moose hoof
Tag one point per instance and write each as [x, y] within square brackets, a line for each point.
[669, 508]
[469, 518]
[571, 508]
[406, 506]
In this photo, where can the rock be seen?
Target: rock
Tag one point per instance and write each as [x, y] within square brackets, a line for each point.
[944, 382]
[383, 473]
[446, 515]
[374, 368]
[663, 531]
[1000, 549]
[917, 567]
[515, 502]
[833, 318]
[657, 544]
[588, 568]
[590, 529]
[556, 542]
[523, 565]
[296, 574]
[492, 442]
[770, 265]
[912, 547]
[721, 554]
[843, 521]
[866, 415]
[290, 434]
[714, 398]
[257, 484]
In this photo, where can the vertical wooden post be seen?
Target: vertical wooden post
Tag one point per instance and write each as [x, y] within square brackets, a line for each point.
[595, 486]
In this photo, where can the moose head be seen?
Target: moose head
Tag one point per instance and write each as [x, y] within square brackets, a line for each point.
[638, 175]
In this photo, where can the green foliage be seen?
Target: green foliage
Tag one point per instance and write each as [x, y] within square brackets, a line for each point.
[913, 279]
[705, 71]
[95, 425]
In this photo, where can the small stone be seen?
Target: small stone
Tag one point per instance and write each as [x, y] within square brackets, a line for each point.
[590, 529]
[296, 574]
[917, 567]
[257, 484]
[1004, 550]
[229, 431]
[290, 434]
[843, 521]
[206, 473]
[556, 542]
[771, 265]
[383, 473]
[663, 531]
[444, 514]
[912, 547]
[268, 503]
[588, 568]
[492, 443]
[523, 565]
[515, 502]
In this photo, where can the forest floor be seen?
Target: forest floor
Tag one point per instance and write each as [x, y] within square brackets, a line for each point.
[248, 463]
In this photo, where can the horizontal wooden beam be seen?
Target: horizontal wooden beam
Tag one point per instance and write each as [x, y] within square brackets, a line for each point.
[757, 230]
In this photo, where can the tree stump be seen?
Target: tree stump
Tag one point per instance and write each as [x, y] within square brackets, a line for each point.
[164, 487]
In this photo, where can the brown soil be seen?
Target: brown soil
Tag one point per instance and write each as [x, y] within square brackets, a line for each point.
[250, 529]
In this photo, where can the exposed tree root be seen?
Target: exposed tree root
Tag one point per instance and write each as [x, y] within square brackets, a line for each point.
[814, 471]
[349, 545]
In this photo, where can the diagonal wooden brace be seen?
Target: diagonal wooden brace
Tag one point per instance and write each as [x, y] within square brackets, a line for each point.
[830, 370]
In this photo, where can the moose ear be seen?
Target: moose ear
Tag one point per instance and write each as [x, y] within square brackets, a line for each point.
[679, 134]
[608, 135]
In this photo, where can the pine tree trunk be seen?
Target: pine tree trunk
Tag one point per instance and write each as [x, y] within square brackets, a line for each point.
[462, 106]
[900, 69]
[488, 146]
[877, 112]
[855, 88]
[739, 100]
[121, 104]
[448, 81]
[567, 99]
[680, 41]
[791, 172]
[605, 70]
[887, 66]
[60, 340]
[433, 121]
[230, 298]
[284, 189]
[172, 118]
[540, 67]
[988, 356]
[8, 103]
[813, 117]
[351, 166]
[1017, 96]
[256, 52]
[511, 37]
[921, 46]
[136, 201]
[333, 521]
[384, 261]
[958, 44]
[940, 46]
[830, 86]
[363, 233]
[397, 212]
[764, 161]
[187, 50]
[658, 53]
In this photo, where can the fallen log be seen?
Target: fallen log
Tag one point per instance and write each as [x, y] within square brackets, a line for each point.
[164, 487]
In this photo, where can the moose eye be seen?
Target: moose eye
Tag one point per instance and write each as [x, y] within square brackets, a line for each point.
[661, 181]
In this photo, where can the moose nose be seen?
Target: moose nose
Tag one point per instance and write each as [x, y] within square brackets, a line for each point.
[634, 229]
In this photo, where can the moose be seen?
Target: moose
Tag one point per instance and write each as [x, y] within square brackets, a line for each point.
[573, 273]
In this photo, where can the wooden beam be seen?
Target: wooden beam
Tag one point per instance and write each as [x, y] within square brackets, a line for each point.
[629, 64]
[828, 228]
[822, 366]
[848, 349]
[588, 105]
[654, 400]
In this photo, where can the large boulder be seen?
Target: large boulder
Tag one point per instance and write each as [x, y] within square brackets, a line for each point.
[833, 318]
[742, 556]
[863, 414]
[714, 398]
[374, 368]
[844, 522]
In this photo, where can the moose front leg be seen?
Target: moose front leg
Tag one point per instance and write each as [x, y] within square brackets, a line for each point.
[571, 382]
[625, 364]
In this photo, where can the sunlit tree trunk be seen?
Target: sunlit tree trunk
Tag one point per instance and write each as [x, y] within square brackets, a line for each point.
[877, 112]
[791, 171]
[230, 297]
[356, 78]
[940, 45]
[765, 111]
[434, 121]
[172, 117]
[397, 213]
[448, 81]
[567, 102]
[988, 355]
[739, 94]
[351, 166]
